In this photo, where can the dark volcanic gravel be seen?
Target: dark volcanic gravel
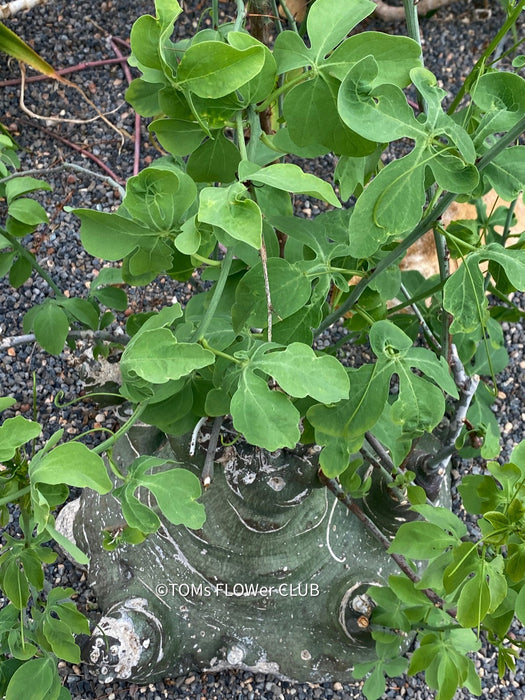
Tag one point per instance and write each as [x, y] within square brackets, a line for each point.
[68, 33]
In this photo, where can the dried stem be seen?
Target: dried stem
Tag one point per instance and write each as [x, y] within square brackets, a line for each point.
[84, 152]
[67, 166]
[13, 341]
[86, 65]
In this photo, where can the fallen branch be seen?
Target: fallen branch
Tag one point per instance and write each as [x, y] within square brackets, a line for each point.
[391, 13]
[15, 340]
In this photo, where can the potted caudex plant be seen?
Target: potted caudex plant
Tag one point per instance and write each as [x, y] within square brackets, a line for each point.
[323, 541]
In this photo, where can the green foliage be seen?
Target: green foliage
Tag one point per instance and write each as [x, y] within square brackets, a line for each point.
[232, 114]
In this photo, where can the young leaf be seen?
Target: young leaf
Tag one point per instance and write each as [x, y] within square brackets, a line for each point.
[266, 418]
[213, 69]
[176, 491]
[300, 373]
[289, 177]
[15, 432]
[329, 22]
[421, 540]
[233, 211]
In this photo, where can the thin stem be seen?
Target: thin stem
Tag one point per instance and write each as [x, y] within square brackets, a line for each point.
[426, 328]
[17, 494]
[424, 225]
[27, 255]
[200, 332]
[67, 166]
[443, 256]
[269, 307]
[240, 136]
[480, 63]
[220, 353]
[215, 14]
[380, 451]
[139, 410]
[286, 86]
[241, 15]
[278, 22]
[289, 16]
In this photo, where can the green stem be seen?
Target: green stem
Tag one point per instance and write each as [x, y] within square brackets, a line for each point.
[139, 410]
[217, 294]
[240, 136]
[278, 22]
[478, 66]
[215, 14]
[255, 133]
[17, 494]
[287, 86]
[289, 16]
[219, 353]
[241, 14]
[424, 225]
[27, 255]
[206, 261]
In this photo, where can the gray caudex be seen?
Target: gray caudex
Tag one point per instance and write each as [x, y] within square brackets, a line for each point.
[274, 582]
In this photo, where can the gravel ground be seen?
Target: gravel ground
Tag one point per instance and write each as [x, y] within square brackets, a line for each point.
[68, 33]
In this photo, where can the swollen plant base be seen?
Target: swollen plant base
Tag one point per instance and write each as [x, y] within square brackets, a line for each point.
[275, 582]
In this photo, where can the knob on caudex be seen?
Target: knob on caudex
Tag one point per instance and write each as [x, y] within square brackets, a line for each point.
[275, 581]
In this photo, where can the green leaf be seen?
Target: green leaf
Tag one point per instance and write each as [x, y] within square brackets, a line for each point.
[520, 605]
[82, 310]
[213, 69]
[329, 21]
[290, 52]
[474, 601]
[510, 259]
[177, 491]
[259, 87]
[300, 373]
[28, 211]
[34, 680]
[110, 236]
[421, 540]
[51, 327]
[15, 432]
[178, 136]
[156, 356]
[290, 178]
[506, 172]
[442, 517]
[395, 57]
[14, 583]
[22, 185]
[231, 210]
[290, 290]
[381, 113]
[158, 198]
[75, 552]
[6, 402]
[266, 418]
[464, 298]
[215, 160]
[144, 97]
[391, 205]
[20, 271]
[71, 463]
[61, 639]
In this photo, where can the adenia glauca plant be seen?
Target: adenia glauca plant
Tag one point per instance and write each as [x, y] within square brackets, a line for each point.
[242, 110]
